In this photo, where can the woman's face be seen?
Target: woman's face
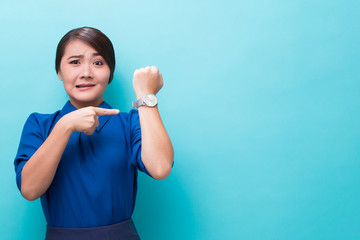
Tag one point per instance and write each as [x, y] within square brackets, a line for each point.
[84, 73]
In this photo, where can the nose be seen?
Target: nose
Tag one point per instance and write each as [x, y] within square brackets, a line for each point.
[86, 71]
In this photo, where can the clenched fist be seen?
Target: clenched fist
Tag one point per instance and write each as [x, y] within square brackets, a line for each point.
[147, 80]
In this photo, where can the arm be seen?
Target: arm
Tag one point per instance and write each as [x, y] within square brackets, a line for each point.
[156, 149]
[39, 171]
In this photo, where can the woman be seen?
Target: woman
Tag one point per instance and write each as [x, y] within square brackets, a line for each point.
[82, 161]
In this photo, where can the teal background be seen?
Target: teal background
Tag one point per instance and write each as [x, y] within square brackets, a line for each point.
[260, 99]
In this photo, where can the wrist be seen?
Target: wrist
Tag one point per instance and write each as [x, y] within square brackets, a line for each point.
[65, 126]
[148, 100]
[142, 94]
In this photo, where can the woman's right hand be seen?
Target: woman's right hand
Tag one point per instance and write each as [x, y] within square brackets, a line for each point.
[86, 119]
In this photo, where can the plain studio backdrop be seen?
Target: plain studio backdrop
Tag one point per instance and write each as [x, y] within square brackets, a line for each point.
[260, 98]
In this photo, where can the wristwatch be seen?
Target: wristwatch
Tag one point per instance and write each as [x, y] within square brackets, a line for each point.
[149, 100]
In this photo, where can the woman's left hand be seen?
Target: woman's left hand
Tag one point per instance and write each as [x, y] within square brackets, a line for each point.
[147, 80]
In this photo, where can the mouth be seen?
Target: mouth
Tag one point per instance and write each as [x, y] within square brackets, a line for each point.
[86, 85]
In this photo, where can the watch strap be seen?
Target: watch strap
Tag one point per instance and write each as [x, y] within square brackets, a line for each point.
[141, 102]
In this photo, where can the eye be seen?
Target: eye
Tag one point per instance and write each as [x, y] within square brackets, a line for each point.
[75, 62]
[99, 63]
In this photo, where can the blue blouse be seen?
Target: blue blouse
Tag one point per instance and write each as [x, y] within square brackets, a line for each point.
[96, 180]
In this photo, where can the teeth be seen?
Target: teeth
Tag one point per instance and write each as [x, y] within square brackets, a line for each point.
[78, 86]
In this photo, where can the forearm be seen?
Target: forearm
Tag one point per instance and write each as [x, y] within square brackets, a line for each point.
[156, 150]
[40, 169]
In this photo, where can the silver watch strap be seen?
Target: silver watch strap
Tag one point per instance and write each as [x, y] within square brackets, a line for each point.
[139, 103]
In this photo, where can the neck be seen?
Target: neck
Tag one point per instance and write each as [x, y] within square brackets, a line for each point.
[79, 105]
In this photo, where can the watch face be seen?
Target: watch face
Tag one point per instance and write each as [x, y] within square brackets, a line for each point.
[150, 100]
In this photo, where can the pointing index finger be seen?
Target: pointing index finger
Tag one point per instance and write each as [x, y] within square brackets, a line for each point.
[105, 111]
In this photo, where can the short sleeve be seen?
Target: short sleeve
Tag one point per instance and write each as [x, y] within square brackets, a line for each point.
[31, 139]
[135, 141]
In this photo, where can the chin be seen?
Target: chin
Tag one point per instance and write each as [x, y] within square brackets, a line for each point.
[87, 101]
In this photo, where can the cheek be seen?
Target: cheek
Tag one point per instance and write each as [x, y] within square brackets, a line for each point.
[68, 75]
[105, 76]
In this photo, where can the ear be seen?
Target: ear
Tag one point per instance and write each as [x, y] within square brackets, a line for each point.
[60, 75]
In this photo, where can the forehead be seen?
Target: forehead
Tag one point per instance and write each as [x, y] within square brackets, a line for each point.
[78, 47]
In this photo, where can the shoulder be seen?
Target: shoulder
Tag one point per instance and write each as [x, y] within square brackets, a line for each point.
[130, 116]
[130, 120]
[42, 117]
[41, 121]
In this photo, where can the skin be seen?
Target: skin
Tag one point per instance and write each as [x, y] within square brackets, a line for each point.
[82, 66]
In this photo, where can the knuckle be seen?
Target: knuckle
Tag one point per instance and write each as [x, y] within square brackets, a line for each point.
[137, 72]
[90, 110]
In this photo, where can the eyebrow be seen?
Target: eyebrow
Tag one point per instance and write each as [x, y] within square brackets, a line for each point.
[81, 56]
